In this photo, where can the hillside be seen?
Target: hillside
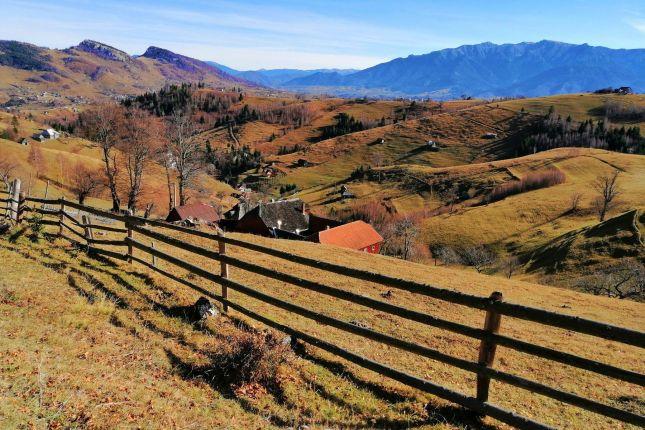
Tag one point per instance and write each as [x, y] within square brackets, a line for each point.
[489, 70]
[35, 75]
[122, 322]
[392, 167]
[60, 157]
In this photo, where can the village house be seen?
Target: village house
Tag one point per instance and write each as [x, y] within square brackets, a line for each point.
[356, 235]
[193, 214]
[24, 141]
[432, 145]
[283, 218]
[48, 134]
[624, 90]
[345, 193]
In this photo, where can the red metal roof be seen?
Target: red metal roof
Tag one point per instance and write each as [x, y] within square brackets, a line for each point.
[200, 211]
[355, 235]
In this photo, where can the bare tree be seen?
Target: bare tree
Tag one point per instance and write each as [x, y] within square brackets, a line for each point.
[7, 167]
[608, 190]
[165, 158]
[447, 255]
[451, 195]
[512, 263]
[36, 159]
[378, 162]
[626, 281]
[575, 202]
[102, 125]
[138, 140]
[86, 182]
[184, 150]
[407, 230]
[478, 257]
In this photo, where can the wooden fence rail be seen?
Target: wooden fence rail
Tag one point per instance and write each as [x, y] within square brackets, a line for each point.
[489, 337]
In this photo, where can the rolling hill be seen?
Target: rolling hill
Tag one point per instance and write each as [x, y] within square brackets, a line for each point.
[92, 70]
[490, 70]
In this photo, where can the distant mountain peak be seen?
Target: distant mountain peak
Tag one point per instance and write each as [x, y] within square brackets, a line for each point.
[489, 70]
[102, 50]
[178, 60]
[161, 54]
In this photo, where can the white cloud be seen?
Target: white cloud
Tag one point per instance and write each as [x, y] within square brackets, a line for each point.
[638, 25]
[231, 33]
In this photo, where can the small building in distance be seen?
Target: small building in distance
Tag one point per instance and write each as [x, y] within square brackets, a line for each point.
[624, 90]
[432, 145]
[24, 141]
[345, 193]
[195, 213]
[48, 134]
[356, 235]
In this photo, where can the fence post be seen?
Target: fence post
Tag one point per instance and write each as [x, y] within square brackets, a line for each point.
[224, 271]
[128, 226]
[15, 198]
[21, 207]
[61, 218]
[154, 257]
[89, 237]
[487, 347]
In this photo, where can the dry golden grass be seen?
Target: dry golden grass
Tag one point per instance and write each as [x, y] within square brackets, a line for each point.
[579, 106]
[312, 408]
[96, 344]
[61, 155]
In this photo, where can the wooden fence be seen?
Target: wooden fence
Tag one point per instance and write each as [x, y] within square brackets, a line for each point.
[494, 307]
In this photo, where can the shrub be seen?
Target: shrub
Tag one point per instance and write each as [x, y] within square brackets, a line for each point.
[251, 358]
[287, 188]
[532, 181]
[618, 111]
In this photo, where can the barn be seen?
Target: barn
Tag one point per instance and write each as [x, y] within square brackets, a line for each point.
[356, 235]
[194, 213]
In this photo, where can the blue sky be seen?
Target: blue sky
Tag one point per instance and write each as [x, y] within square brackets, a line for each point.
[255, 34]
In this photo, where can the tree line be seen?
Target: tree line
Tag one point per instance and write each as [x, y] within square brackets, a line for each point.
[553, 131]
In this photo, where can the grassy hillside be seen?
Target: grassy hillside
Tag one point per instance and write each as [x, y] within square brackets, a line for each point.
[62, 155]
[114, 320]
[579, 106]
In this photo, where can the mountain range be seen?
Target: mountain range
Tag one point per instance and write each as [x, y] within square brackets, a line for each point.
[94, 69]
[482, 70]
[277, 78]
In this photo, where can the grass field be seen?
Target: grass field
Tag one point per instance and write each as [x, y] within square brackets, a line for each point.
[149, 361]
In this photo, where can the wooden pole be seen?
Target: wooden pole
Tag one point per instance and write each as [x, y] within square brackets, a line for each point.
[154, 257]
[487, 347]
[223, 272]
[15, 198]
[128, 226]
[88, 232]
[61, 217]
[21, 207]
[46, 191]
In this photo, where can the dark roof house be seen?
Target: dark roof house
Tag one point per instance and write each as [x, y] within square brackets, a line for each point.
[272, 218]
[195, 212]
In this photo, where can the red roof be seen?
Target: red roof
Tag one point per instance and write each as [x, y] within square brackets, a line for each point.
[200, 211]
[355, 235]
